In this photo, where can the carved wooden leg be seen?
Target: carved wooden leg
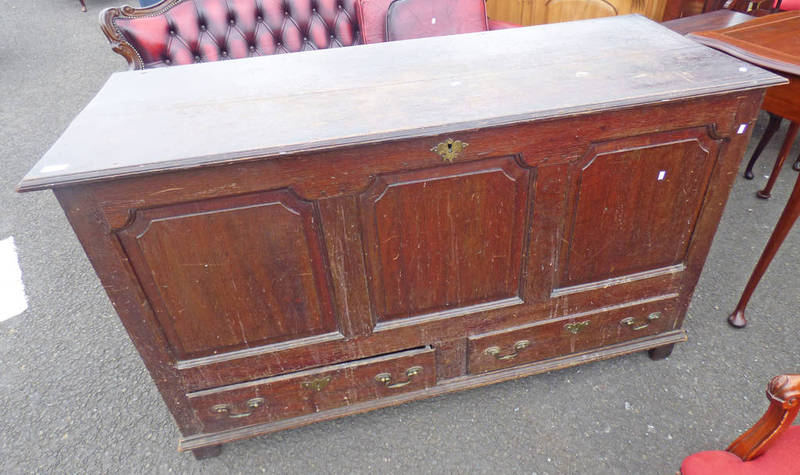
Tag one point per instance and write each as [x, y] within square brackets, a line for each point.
[787, 219]
[661, 352]
[207, 452]
[773, 125]
[83, 5]
[787, 145]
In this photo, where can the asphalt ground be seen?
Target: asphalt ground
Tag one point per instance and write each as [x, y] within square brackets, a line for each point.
[76, 398]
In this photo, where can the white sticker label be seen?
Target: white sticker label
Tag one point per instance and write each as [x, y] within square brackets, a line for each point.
[742, 128]
[12, 291]
[54, 168]
[662, 174]
[433, 21]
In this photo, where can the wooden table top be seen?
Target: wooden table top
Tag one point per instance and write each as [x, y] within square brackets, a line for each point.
[188, 116]
[713, 20]
[772, 41]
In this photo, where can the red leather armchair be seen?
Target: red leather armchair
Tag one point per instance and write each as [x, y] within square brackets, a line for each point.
[175, 32]
[412, 18]
[769, 447]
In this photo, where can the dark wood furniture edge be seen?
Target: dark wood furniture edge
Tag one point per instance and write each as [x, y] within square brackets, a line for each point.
[783, 393]
[719, 43]
[764, 56]
[119, 44]
[256, 351]
[602, 284]
[79, 206]
[448, 386]
[724, 174]
[713, 20]
[329, 145]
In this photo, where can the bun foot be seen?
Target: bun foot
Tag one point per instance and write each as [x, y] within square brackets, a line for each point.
[748, 174]
[207, 452]
[661, 352]
[737, 320]
[764, 196]
[796, 165]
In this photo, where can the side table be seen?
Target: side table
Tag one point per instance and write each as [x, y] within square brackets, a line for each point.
[770, 42]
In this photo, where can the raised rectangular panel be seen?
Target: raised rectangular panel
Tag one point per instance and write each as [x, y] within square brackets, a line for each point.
[637, 203]
[446, 237]
[231, 273]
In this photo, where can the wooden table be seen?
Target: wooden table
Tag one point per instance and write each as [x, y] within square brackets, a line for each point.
[772, 42]
[294, 238]
[714, 20]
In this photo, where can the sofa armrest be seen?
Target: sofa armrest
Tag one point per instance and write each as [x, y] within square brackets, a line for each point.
[783, 393]
[501, 25]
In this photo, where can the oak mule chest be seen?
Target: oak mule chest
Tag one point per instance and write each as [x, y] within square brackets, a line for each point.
[294, 238]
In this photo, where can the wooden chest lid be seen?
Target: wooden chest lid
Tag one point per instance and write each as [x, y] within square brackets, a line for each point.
[189, 116]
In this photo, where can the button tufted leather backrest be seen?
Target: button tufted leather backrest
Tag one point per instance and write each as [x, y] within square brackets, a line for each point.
[189, 31]
[408, 19]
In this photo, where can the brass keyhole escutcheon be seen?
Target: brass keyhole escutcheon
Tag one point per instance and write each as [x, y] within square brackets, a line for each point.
[251, 405]
[316, 384]
[631, 323]
[494, 351]
[576, 327]
[449, 149]
[386, 378]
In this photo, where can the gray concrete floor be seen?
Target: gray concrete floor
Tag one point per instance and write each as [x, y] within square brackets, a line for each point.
[75, 397]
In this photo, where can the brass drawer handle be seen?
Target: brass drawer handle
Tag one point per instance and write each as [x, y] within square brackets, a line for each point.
[251, 404]
[316, 384]
[576, 327]
[631, 322]
[495, 350]
[386, 378]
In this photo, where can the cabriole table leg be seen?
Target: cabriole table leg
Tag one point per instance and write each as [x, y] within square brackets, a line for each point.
[785, 222]
[791, 134]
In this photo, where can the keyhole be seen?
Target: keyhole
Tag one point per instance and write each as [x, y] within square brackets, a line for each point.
[450, 146]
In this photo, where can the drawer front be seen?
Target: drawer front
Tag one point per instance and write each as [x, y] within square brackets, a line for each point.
[571, 334]
[306, 392]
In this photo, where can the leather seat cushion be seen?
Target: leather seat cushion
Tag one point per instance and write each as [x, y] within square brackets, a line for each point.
[789, 4]
[780, 459]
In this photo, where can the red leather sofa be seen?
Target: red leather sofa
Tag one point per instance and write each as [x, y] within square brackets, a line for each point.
[175, 32]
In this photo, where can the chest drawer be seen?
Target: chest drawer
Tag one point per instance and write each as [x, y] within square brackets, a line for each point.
[571, 334]
[316, 390]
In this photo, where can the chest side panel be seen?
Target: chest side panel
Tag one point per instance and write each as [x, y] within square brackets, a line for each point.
[230, 273]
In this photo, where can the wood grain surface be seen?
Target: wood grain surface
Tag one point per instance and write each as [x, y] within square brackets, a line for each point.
[275, 233]
[170, 118]
[772, 41]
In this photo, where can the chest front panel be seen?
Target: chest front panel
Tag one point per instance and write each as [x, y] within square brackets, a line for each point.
[535, 247]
